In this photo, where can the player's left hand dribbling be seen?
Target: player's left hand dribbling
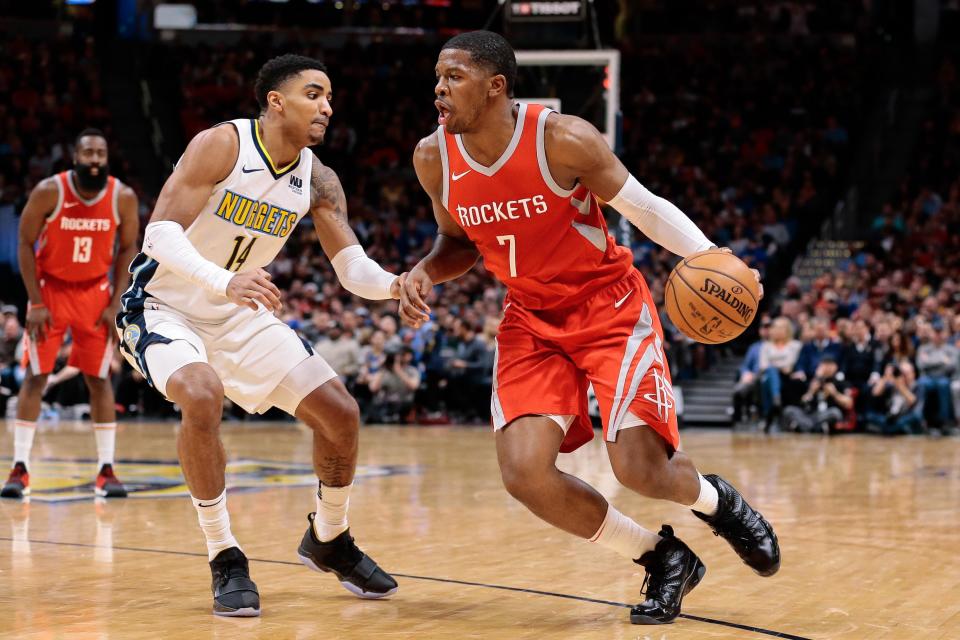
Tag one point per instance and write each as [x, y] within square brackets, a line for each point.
[756, 275]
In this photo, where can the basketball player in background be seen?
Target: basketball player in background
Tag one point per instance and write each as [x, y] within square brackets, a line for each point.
[518, 184]
[198, 319]
[68, 231]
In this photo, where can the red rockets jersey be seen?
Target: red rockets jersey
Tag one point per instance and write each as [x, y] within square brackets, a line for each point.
[549, 245]
[77, 241]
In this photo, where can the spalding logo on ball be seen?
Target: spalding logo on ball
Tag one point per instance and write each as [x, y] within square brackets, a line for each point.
[711, 296]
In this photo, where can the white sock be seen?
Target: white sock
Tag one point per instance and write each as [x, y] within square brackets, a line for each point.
[707, 501]
[23, 433]
[106, 435]
[332, 504]
[621, 534]
[215, 522]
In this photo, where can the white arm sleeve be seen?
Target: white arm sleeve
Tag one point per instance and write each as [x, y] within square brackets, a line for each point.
[166, 243]
[360, 275]
[659, 219]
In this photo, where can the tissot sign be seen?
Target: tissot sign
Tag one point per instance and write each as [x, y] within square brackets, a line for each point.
[546, 10]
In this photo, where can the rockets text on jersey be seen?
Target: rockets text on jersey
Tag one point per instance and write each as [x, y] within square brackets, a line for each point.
[548, 244]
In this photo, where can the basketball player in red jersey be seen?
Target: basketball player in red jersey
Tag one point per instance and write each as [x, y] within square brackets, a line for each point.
[518, 185]
[68, 230]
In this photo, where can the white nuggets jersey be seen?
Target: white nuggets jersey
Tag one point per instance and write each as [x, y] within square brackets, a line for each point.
[243, 226]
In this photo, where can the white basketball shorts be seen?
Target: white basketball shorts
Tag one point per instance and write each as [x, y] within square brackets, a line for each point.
[251, 352]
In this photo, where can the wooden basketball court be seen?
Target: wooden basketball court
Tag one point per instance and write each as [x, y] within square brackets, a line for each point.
[868, 528]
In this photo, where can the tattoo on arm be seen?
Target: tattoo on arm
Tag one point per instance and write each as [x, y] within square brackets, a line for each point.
[327, 199]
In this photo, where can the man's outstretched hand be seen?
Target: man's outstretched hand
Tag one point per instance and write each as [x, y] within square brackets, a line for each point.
[414, 288]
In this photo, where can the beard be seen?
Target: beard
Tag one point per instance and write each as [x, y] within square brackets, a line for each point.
[89, 181]
[464, 121]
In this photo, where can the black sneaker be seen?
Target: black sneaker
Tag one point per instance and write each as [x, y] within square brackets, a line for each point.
[744, 528]
[18, 482]
[673, 570]
[234, 593]
[357, 572]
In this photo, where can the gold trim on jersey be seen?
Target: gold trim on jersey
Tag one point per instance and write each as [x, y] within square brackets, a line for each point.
[262, 148]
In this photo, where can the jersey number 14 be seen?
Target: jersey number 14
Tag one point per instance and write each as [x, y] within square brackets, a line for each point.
[239, 255]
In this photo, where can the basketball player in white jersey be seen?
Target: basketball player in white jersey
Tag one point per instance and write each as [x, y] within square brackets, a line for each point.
[198, 319]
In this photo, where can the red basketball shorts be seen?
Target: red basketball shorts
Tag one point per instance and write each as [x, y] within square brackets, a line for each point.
[613, 340]
[76, 307]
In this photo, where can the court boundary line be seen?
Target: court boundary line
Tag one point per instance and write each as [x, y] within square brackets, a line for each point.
[552, 594]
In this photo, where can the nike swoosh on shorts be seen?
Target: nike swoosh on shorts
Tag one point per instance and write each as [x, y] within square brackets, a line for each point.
[616, 305]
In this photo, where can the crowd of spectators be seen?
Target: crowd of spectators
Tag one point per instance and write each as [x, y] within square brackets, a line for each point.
[879, 338]
[383, 16]
[880, 356]
[796, 18]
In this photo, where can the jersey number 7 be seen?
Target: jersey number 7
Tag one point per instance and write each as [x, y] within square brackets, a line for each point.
[510, 240]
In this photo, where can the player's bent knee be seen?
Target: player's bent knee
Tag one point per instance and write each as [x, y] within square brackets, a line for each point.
[201, 398]
[197, 389]
[331, 411]
[344, 412]
[523, 481]
[201, 406]
[642, 477]
[350, 411]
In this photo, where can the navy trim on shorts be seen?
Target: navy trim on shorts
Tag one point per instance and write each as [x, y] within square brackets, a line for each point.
[142, 270]
[130, 321]
[306, 345]
[135, 330]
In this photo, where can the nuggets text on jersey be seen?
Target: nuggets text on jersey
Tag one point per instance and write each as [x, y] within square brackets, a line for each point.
[260, 216]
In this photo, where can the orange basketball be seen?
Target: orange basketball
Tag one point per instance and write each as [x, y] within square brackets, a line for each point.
[711, 296]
